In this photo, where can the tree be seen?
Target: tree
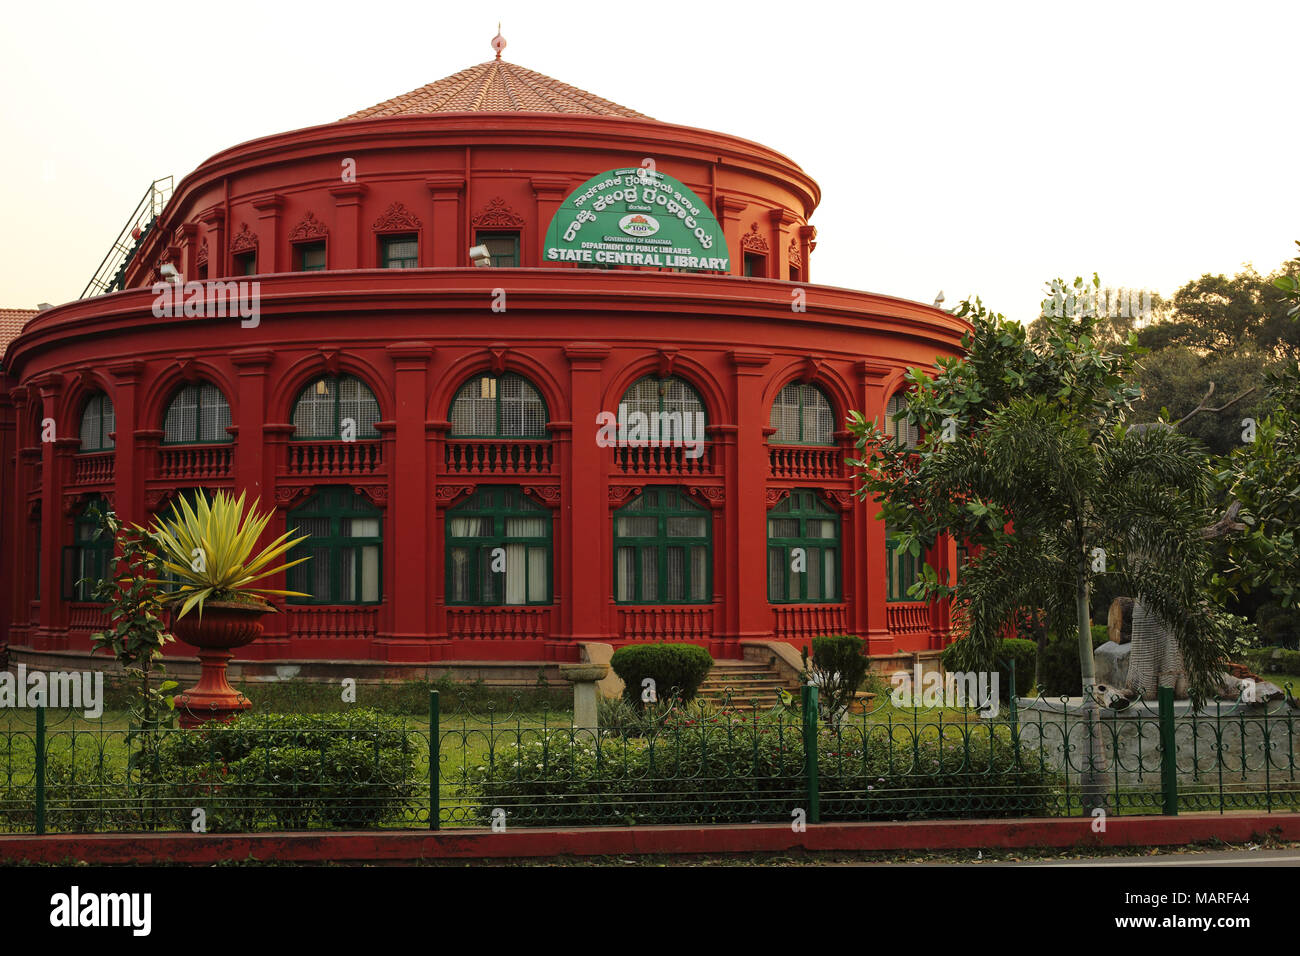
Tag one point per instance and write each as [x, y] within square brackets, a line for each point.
[1027, 454]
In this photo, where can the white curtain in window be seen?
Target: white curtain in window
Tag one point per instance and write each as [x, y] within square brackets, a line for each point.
[625, 574]
[516, 570]
[537, 574]
[699, 574]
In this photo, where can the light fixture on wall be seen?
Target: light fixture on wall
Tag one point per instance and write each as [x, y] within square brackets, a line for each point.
[480, 256]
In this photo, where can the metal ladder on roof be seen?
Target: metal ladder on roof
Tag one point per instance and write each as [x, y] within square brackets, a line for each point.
[111, 274]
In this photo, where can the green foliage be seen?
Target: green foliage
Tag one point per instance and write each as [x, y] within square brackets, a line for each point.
[1279, 626]
[341, 770]
[1043, 470]
[677, 670]
[1022, 652]
[736, 771]
[135, 635]
[1058, 663]
[839, 665]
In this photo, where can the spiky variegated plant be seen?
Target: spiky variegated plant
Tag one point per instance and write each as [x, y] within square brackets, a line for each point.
[207, 551]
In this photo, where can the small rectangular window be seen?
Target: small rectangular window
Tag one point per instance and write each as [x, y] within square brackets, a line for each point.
[310, 256]
[755, 265]
[399, 252]
[502, 246]
[246, 263]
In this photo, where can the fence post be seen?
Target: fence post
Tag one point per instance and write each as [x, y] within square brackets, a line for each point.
[1168, 752]
[809, 704]
[435, 751]
[40, 769]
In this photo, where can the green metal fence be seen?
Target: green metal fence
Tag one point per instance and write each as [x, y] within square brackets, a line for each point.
[494, 766]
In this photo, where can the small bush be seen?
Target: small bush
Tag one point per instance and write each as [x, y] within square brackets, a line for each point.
[1019, 650]
[838, 669]
[1059, 673]
[677, 670]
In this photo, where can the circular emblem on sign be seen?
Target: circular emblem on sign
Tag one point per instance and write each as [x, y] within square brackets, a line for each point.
[639, 224]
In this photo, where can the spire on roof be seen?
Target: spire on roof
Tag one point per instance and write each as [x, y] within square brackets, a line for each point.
[498, 41]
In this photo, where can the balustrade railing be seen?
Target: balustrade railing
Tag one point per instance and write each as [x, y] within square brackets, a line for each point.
[801, 621]
[189, 462]
[659, 459]
[805, 461]
[93, 469]
[907, 618]
[331, 622]
[498, 623]
[665, 623]
[497, 457]
[330, 458]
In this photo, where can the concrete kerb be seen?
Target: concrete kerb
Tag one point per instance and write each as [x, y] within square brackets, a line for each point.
[416, 845]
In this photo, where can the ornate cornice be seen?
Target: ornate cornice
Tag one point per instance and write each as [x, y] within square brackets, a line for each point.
[243, 241]
[396, 218]
[445, 495]
[715, 496]
[548, 495]
[309, 227]
[621, 494]
[753, 241]
[497, 215]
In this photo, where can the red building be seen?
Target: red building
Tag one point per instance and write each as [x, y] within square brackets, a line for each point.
[435, 425]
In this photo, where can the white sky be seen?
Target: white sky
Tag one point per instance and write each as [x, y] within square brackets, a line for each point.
[975, 147]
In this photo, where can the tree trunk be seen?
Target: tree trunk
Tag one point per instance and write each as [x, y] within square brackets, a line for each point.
[1092, 773]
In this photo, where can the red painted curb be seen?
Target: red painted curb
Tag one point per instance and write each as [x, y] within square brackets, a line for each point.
[414, 845]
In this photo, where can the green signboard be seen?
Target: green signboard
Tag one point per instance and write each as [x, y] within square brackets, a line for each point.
[636, 217]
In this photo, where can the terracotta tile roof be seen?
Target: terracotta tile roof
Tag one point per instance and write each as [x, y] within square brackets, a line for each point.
[11, 323]
[496, 86]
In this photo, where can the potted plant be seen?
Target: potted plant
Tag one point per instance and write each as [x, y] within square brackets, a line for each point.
[207, 552]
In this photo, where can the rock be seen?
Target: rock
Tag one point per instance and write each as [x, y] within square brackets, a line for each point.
[1111, 663]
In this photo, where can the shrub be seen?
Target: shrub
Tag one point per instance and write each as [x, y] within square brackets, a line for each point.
[1016, 649]
[738, 770]
[838, 669]
[1059, 674]
[677, 670]
[1279, 625]
[292, 771]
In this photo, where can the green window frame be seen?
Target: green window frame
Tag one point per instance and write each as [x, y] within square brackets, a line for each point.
[85, 562]
[652, 395]
[346, 547]
[98, 421]
[498, 406]
[663, 549]
[309, 256]
[197, 415]
[899, 427]
[802, 520]
[401, 251]
[902, 569]
[803, 415]
[503, 248]
[324, 403]
[246, 263]
[499, 549]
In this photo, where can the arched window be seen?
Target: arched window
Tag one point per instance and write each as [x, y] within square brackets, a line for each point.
[803, 551]
[345, 546]
[85, 563]
[663, 549]
[327, 404]
[498, 406]
[802, 415]
[903, 569]
[499, 549]
[97, 424]
[906, 432]
[668, 404]
[198, 414]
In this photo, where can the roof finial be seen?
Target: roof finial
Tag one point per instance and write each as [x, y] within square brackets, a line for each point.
[498, 42]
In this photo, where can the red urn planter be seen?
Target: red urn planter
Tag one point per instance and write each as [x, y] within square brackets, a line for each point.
[224, 626]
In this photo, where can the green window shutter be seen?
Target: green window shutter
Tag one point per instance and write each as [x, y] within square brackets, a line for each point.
[345, 544]
[803, 521]
[663, 549]
[498, 549]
